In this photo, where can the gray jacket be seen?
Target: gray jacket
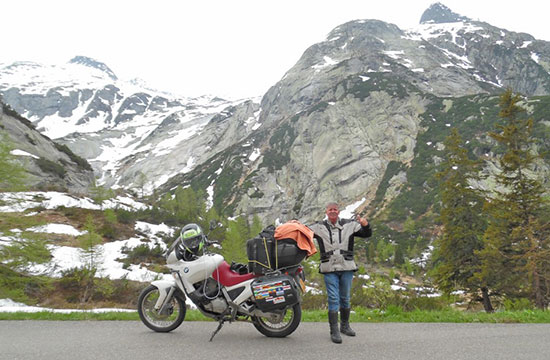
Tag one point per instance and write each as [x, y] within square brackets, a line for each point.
[336, 243]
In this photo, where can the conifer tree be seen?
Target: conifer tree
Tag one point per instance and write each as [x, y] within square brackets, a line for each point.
[256, 227]
[20, 253]
[90, 256]
[398, 257]
[455, 258]
[517, 253]
[234, 244]
[189, 205]
[212, 218]
[371, 252]
[100, 193]
[141, 183]
[12, 173]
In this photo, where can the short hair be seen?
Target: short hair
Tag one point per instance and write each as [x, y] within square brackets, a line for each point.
[332, 203]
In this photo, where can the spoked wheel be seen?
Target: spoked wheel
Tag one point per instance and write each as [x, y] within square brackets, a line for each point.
[280, 323]
[169, 320]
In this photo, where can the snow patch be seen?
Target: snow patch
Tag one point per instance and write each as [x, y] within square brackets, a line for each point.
[57, 229]
[348, 212]
[21, 201]
[8, 305]
[525, 44]
[18, 152]
[327, 62]
[255, 155]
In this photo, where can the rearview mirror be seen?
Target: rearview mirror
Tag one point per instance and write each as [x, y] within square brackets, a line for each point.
[213, 224]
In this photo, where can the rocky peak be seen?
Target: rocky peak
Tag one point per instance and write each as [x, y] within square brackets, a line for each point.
[86, 61]
[438, 13]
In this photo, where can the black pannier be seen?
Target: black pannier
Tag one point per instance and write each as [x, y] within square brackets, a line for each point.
[266, 254]
[274, 292]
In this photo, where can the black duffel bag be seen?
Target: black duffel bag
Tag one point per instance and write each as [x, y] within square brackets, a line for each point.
[266, 254]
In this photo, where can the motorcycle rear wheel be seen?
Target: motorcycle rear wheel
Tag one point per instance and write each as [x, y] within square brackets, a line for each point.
[151, 317]
[280, 324]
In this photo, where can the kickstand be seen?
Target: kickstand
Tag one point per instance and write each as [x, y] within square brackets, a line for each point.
[217, 330]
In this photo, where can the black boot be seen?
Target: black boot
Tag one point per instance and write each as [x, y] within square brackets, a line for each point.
[334, 331]
[344, 325]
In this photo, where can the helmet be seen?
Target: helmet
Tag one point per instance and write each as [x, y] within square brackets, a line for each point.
[192, 238]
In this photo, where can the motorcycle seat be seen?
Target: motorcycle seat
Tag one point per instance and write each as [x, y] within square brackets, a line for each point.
[225, 276]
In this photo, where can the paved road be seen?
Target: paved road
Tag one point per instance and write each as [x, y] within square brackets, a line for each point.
[129, 340]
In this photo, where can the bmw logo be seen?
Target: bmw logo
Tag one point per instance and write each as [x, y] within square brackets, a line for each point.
[186, 270]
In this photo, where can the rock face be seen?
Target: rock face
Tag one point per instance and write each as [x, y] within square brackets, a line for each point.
[360, 118]
[49, 165]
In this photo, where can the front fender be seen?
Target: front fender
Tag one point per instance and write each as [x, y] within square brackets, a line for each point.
[165, 287]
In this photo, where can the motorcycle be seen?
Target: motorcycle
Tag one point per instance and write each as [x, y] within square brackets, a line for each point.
[270, 301]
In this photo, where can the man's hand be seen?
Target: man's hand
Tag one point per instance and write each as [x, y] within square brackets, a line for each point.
[362, 221]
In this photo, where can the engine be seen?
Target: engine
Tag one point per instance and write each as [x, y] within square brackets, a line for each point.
[218, 305]
[208, 294]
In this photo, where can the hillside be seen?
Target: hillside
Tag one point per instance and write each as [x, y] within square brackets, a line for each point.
[48, 165]
[359, 119]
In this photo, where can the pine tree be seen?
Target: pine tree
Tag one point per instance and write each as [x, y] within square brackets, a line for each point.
[455, 257]
[234, 244]
[256, 227]
[212, 218]
[20, 253]
[100, 193]
[517, 251]
[398, 257]
[371, 252]
[90, 256]
[190, 205]
[141, 183]
[12, 174]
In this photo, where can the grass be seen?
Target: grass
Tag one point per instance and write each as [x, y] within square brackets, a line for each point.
[392, 314]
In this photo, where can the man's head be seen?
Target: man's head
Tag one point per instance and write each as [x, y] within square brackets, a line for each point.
[332, 211]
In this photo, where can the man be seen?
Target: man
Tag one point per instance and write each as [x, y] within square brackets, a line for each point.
[335, 238]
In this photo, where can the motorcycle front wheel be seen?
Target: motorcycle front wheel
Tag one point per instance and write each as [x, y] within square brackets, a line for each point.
[169, 320]
[280, 323]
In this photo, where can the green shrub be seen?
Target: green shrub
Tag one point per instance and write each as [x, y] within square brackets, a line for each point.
[82, 163]
[103, 290]
[51, 167]
[517, 304]
[144, 254]
[109, 231]
[125, 216]
[426, 303]
[12, 285]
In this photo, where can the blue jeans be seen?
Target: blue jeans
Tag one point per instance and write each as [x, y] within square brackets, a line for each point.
[338, 289]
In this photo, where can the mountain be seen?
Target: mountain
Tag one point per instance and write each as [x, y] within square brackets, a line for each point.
[360, 119]
[123, 128]
[48, 165]
[349, 122]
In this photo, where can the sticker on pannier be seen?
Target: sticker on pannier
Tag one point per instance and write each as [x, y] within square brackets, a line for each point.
[274, 294]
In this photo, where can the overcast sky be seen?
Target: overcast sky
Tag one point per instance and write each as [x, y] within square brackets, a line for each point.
[229, 48]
